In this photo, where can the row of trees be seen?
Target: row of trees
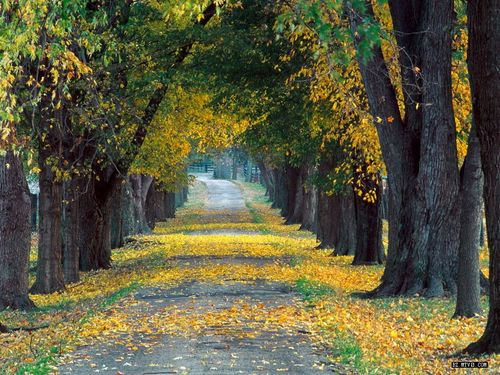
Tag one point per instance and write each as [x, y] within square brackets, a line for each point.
[89, 104]
[341, 93]
[327, 96]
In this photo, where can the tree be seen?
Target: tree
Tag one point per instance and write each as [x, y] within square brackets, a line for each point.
[15, 233]
[483, 60]
[471, 189]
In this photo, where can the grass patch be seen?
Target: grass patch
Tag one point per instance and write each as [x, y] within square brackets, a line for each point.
[45, 364]
[346, 350]
[257, 218]
[312, 290]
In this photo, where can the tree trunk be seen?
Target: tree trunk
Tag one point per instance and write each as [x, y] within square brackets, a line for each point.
[15, 234]
[369, 248]
[296, 177]
[280, 190]
[49, 276]
[484, 60]
[151, 206]
[170, 205]
[95, 223]
[140, 186]
[310, 217]
[419, 150]
[71, 252]
[117, 220]
[468, 280]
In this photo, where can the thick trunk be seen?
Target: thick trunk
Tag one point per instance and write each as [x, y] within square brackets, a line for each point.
[484, 59]
[151, 206]
[117, 221]
[14, 234]
[49, 276]
[95, 223]
[310, 217]
[295, 183]
[160, 213]
[71, 252]
[170, 205]
[268, 182]
[369, 248]
[280, 190]
[140, 186]
[471, 191]
[343, 223]
[419, 151]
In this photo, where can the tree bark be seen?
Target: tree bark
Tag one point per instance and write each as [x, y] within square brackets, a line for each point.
[471, 189]
[295, 183]
[484, 60]
[49, 276]
[140, 185]
[151, 206]
[369, 248]
[310, 217]
[419, 150]
[170, 205]
[95, 223]
[71, 248]
[15, 234]
[117, 220]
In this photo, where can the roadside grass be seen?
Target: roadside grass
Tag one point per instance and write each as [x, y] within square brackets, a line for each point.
[312, 290]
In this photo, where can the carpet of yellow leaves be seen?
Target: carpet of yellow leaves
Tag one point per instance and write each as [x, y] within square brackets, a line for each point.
[400, 336]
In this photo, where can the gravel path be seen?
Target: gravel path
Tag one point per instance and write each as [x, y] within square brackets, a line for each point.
[239, 348]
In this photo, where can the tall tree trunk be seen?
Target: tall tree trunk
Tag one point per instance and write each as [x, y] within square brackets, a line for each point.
[140, 186]
[15, 206]
[95, 223]
[71, 254]
[296, 203]
[369, 248]
[151, 206]
[419, 150]
[471, 190]
[343, 223]
[117, 220]
[170, 205]
[280, 189]
[484, 60]
[310, 217]
[49, 276]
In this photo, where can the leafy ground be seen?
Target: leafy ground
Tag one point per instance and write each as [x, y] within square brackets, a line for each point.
[411, 336]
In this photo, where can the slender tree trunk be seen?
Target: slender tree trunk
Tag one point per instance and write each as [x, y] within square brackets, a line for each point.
[484, 60]
[15, 206]
[140, 186]
[280, 189]
[71, 254]
[295, 179]
[49, 276]
[468, 280]
[117, 220]
[309, 219]
[151, 206]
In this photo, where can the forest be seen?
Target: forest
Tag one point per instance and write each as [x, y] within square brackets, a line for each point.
[309, 185]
